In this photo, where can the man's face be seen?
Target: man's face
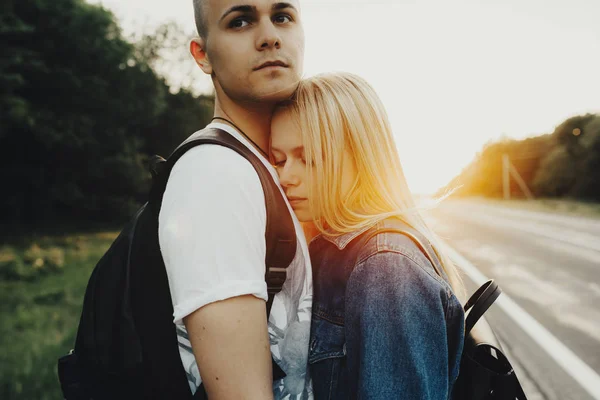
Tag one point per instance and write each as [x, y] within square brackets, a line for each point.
[255, 47]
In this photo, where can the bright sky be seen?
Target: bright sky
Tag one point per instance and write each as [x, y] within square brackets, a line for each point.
[452, 74]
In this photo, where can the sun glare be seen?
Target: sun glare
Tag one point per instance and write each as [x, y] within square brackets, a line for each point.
[451, 75]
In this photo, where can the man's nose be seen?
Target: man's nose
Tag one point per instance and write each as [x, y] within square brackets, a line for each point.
[268, 37]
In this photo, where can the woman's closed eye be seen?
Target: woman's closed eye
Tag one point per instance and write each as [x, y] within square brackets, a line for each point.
[280, 163]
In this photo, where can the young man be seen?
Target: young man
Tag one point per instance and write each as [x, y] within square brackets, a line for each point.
[213, 217]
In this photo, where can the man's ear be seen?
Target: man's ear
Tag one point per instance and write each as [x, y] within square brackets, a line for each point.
[198, 51]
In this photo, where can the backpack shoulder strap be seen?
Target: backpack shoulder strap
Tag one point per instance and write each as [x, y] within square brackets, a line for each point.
[479, 302]
[280, 232]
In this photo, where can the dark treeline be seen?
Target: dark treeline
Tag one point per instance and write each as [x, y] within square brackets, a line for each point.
[81, 109]
[565, 164]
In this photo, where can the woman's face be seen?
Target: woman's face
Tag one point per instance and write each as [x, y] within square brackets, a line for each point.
[288, 154]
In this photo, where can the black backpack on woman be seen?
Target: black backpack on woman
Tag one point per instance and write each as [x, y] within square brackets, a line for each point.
[126, 346]
[485, 372]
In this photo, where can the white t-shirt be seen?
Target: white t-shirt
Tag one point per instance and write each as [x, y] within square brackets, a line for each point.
[212, 237]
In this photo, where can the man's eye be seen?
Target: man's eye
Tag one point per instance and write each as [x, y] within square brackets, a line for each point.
[239, 23]
[282, 19]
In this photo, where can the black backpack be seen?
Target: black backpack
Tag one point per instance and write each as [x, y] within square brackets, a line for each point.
[485, 371]
[126, 344]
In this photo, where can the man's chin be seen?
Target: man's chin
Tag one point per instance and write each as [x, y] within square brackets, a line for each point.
[276, 90]
[261, 89]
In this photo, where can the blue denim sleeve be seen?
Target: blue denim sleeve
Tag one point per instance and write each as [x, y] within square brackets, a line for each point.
[403, 329]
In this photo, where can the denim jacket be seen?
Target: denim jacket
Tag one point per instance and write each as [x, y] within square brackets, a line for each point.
[384, 324]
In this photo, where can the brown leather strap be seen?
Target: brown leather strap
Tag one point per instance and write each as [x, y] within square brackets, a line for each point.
[280, 233]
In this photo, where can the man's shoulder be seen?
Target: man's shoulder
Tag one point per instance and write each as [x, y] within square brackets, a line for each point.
[198, 134]
[213, 129]
[213, 159]
[212, 170]
[215, 176]
[211, 155]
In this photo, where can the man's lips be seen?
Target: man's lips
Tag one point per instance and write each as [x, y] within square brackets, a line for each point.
[271, 64]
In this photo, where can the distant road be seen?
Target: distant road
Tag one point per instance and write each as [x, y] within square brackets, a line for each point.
[550, 266]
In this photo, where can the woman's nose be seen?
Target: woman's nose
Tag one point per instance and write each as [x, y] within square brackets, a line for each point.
[287, 177]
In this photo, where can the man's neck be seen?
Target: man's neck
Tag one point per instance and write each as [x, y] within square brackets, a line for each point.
[253, 119]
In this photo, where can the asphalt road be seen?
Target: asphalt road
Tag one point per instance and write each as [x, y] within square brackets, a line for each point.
[549, 266]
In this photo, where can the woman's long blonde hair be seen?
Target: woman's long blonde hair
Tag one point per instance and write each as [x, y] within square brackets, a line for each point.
[341, 112]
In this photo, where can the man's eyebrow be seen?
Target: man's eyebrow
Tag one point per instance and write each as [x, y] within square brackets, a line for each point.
[281, 6]
[242, 9]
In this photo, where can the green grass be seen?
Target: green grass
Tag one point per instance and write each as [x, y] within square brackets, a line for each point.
[42, 283]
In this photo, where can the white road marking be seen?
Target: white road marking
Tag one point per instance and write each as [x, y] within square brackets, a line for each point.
[548, 295]
[488, 253]
[573, 237]
[594, 287]
[564, 357]
[587, 324]
[573, 251]
[581, 223]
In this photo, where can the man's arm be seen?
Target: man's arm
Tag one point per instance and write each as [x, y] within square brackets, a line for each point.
[231, 345]
[212, 236]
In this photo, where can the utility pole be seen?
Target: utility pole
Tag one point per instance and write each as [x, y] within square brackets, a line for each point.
[517, 177]
[508, 170]
[505, 176]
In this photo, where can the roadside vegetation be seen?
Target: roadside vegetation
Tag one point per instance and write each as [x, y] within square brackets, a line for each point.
[42, 282]
[82, 106]
[564, 164]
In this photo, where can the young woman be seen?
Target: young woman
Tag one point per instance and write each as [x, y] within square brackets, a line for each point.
[386, 321]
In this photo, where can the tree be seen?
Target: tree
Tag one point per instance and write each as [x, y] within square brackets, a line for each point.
[483, 176]
[565, 163]
[165, 49]
[572, 167]
[81, 106]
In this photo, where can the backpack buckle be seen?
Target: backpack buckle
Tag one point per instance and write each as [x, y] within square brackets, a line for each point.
[275, 279]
